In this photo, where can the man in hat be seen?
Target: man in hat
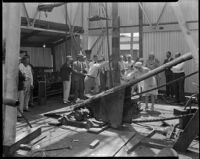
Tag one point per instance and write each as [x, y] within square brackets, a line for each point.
[21, 80]
[178, 72]
[78, 77]
[26, 70]
[66, 71]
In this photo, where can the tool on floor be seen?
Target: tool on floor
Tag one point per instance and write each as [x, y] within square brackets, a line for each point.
[27, 147]
[22, 114]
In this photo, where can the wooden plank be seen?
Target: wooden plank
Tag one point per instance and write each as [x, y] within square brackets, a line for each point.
[98, 130]
[188, 136]
[23, 138]
[94, 143]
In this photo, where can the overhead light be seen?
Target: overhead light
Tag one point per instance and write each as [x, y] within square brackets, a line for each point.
[44, 46]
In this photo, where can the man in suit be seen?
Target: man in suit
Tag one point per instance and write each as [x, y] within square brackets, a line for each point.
[78, 77]
[169, 76]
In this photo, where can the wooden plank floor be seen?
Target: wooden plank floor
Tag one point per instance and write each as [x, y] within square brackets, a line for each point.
[112, 142]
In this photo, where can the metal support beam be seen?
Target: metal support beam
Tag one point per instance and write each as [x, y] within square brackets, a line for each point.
[132, 26]
[27, 17]
[44, 30]
[73, 40]
[145, 14]
[163, 9]
[34, 18]
[140, 32]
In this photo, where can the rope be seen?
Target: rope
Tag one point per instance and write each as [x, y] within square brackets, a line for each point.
[161, 119]
[167, 83]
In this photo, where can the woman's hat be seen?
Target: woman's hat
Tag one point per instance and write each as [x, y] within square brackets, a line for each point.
[69, 58]
[138, 64]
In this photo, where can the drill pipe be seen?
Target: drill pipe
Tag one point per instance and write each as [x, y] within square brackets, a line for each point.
[185, 57]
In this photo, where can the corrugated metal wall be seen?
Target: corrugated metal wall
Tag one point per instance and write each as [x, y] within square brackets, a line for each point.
[128, 13]
[160, 42]
[39, 56]
[101, 48]
[60, 55]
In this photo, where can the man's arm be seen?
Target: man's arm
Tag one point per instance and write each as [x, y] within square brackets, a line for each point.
[178, 67]
[102, 64]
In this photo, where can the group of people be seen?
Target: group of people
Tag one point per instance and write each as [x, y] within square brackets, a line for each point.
[25, 83]
[83, 75]
[131, 69]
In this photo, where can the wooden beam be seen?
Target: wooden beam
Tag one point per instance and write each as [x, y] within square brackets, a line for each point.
[108, 46]
[11, 70]
[140, 13]
[33, 33]
[115, 44]
[186, 32]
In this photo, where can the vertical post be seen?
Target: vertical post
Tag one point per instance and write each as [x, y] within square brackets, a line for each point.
[131, 44]
[107, 31]
[140, 31]
[85, 25]
[67, 46]
[54, 58]
[11, 69]
[115, 44]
